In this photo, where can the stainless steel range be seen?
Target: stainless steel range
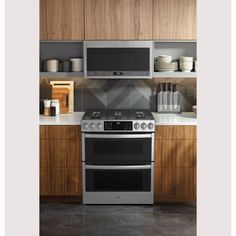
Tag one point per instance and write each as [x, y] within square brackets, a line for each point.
[118, 157]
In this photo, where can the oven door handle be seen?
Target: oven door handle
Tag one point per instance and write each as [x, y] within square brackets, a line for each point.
[118, 135]
[99, 167]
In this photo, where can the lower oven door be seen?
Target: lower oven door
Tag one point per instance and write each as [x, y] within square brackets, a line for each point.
[118, 184]
[118, 149]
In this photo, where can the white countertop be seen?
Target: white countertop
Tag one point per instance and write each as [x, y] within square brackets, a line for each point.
[185, 118]
[62, 119]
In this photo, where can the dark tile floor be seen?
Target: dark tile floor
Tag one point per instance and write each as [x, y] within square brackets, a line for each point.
[58, 219]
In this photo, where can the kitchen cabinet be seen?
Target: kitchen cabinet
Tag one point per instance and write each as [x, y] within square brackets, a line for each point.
[60, 160]
[174, 19]
[52, 182]
[118, 19]
[61, 19]
[175, 164]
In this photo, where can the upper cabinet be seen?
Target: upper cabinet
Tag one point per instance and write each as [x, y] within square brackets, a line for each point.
[61, 19]
[118, 19]
[174, 19]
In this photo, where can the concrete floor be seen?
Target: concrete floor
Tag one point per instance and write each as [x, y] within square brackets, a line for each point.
[57, 219]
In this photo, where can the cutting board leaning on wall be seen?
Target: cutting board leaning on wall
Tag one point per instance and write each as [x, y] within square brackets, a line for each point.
[64, 91]
[62, 94]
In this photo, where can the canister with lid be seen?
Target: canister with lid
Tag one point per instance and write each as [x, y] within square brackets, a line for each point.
[47, 104]
[55, 103]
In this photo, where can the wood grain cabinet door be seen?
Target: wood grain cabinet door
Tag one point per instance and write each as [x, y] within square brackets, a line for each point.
[175, 164]
[175, 153]
[73, 182]
[60, 161]
[118, 19]
[53, 153]
[61, 19]
[174, 19]
[175, 184]
[52, 181]
[73, 154]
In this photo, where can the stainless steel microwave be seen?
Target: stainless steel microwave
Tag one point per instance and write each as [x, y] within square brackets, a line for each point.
[118, 59]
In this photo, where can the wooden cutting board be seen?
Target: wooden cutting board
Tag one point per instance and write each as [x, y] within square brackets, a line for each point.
[69, 85]
[62, 94]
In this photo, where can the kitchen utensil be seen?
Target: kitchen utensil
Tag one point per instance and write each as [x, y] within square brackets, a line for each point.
[47, 102]
[46, 111]
[176, 97]
[52, 111]
[55, 103]
[69, 85]
[41, 107]
[65, 66]
[44, 65]
[52, 65]
[168, 98]
[47, 105]
[61, 94]
[76, 64]
[160, 96]
[45, 90]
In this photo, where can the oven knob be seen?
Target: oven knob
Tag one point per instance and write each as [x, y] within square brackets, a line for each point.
[85, 126]
[99, 125]
[136, 125]
[143, 125]
[92, 126]
[150, 125]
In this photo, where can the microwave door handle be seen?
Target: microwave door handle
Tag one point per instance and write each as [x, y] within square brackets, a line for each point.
[99, 167]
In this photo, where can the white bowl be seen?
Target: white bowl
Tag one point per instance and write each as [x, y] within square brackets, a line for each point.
[186, 59]
[164, 58]
[186, 65]
[184, 70]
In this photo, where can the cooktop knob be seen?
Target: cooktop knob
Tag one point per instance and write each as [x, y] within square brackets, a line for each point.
[92, 126]
[85, 126]
[136, 125]
[150, 125]
[143, 125]
[99, 125]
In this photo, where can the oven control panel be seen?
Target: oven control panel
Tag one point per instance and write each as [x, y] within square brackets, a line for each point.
[118, 125]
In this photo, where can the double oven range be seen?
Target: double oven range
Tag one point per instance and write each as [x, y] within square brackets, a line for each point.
[118, 157]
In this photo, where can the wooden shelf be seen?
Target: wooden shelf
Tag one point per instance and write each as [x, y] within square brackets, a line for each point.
[61, 74]
[174, 74]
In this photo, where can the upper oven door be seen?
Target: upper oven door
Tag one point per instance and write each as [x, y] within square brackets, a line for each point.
[117, 149]
[118, 59]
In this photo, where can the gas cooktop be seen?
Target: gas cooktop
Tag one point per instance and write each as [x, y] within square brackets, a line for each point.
[118, 121]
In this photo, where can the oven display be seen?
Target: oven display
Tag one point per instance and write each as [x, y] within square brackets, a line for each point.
[118, 125]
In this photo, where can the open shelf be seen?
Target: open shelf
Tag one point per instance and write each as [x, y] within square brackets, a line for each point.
[61, 74]
[175, 74]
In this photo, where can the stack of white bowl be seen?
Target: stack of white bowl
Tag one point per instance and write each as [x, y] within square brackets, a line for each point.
[186, 64]
[164, 64]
